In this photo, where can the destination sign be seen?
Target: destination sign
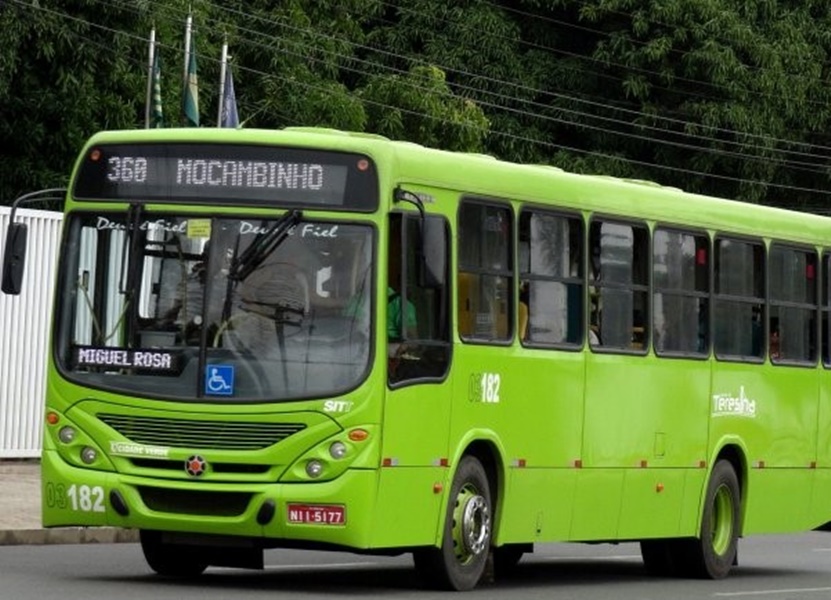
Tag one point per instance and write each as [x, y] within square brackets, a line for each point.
[228, 174]
[118, 358]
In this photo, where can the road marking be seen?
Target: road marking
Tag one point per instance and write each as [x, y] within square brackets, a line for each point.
[771, 592]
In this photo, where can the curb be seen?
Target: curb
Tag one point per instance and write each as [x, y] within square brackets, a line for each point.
[68, 535]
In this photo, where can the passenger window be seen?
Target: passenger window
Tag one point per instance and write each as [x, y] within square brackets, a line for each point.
[485, 279]
[550, 310]
[738, 324]
[793, 305]
[619, 278]
[681, 280]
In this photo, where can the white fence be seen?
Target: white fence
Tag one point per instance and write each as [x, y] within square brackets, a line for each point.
[24, 335]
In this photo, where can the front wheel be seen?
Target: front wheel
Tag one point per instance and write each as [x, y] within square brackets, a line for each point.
[460, 561]
[170, 560]
[712, 555]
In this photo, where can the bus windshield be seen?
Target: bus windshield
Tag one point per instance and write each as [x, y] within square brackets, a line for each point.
[215, 309]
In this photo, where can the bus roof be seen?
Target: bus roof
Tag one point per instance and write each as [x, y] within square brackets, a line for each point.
[487, 176]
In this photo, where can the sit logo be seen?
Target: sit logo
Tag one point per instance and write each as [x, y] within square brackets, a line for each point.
[337, 406]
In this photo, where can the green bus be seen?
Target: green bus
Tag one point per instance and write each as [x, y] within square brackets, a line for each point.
[310, 338]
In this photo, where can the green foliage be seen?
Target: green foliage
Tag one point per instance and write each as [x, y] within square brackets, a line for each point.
[712, 96]
[747, 78]
[420, 107]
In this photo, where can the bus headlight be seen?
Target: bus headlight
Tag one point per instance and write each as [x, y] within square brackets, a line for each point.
[314, 468]
[337, 450]
[66, 435]
[88, 455]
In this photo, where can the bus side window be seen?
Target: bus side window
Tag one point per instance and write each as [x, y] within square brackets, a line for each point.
[550, 309]
[485, 275]
[739, 300]
[619, 296]
[681, 288]
[793, 304]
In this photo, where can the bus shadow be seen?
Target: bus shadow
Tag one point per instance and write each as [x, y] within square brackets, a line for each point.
[372, 579]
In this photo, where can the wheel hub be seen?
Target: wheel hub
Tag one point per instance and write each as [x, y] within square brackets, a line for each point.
[472, 524]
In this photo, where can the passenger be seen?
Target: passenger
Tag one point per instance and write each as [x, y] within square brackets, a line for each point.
[774, 345]
[394, 316]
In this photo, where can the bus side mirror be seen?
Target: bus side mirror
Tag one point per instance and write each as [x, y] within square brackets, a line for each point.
[14, 258]
[434, 253]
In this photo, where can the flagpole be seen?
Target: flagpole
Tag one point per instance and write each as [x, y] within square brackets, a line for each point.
[223, 65]
[188, 26]
[151, 56]
[188, 29]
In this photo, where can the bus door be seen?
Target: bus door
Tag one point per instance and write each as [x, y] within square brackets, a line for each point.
[416, 417]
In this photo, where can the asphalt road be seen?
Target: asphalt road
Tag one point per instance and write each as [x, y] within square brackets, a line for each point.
[796, 567]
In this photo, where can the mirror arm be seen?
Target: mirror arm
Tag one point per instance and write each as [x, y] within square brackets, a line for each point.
[47, 195]
[402, 195]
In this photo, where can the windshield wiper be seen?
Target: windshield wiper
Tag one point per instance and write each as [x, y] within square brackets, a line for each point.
[262, 246]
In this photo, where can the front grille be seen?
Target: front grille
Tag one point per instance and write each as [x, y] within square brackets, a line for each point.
[177, 465]
[188, 502]
[209, 435]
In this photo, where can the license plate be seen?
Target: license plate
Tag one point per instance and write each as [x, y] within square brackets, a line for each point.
[318, 514]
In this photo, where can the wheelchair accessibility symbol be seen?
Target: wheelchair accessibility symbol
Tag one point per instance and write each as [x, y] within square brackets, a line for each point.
[219, 380]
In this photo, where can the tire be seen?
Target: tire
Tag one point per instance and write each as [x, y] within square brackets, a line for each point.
[170, 560]
[714, 552]
[466, 539]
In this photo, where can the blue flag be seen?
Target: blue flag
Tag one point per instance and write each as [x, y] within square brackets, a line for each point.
[230, 117]
[190, 95]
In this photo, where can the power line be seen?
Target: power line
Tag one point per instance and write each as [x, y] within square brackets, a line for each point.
[496, 133]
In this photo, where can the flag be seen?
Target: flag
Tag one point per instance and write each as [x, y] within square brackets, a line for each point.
[230, 117]
[190, 95]
[156, 115]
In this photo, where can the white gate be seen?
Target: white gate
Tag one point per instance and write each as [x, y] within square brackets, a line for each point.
[24, 335]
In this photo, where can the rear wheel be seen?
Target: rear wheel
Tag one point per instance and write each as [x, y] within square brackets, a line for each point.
[460, 561]
[712, 555]
[170, 560]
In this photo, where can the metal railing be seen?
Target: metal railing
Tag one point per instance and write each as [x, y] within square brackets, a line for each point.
[24, 334]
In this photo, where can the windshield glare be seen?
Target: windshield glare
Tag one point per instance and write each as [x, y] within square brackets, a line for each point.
[175, 307]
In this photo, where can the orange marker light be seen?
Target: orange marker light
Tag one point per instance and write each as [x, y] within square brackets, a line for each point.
[52, 418]
[358, 435]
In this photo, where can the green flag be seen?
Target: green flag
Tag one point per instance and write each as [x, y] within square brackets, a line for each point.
[190, 96]
[156, 115]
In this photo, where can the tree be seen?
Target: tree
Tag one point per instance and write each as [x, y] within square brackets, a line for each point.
[728, 98]
[60, 80]
[420, 107]
[708, 95]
